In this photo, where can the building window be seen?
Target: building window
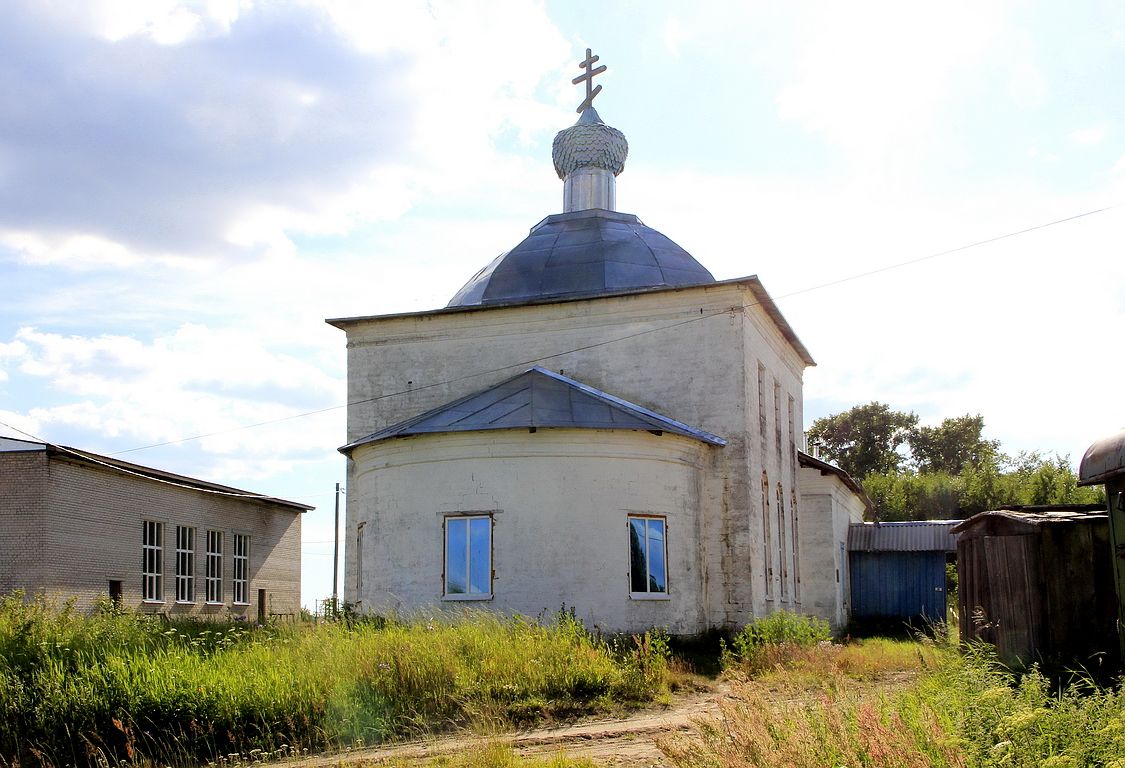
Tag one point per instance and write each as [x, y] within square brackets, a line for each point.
[762, 408]
[648, 556]
[468, 558]
[152, 562]
[777, 418]
[240, 577]
[214, 566]
[781, 553]
[185, 564]
[796, 548]
[767, 537]
[793, 440]
[359, 561]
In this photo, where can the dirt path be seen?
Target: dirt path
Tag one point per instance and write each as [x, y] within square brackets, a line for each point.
[628, 741]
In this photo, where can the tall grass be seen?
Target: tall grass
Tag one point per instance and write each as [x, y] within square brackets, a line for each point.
[76, 689]
[895, 703]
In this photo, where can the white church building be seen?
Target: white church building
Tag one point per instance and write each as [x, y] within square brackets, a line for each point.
[592, 422]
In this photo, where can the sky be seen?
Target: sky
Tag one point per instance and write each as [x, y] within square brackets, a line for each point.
[188, 189]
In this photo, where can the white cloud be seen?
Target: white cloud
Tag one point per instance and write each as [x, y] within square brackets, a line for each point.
[1089, 137]
[673, 35]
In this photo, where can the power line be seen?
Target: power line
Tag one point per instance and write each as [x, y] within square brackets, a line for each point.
[958, 249]
[533, 361]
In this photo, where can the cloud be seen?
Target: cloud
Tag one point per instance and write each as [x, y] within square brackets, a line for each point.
[1088, 137]
[155, 148]
[194, 381]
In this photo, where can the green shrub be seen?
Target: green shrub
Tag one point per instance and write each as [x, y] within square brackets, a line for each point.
[776, 632]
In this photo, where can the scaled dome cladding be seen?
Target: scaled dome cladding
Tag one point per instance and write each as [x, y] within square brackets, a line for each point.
[580, 254]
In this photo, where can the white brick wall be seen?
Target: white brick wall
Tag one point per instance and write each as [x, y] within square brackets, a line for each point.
[691, 354]
[87, 521]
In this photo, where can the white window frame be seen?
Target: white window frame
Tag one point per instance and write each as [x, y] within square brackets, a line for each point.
[214, 573]
[648, 594]
[152, 561]
[185, 564]
[240, 571]
[445, 593]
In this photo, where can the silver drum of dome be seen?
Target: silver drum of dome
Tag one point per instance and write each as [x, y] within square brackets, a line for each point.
[582, 254]
[589, 187]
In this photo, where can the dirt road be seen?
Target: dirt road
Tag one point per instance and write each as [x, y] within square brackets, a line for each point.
[628, 742]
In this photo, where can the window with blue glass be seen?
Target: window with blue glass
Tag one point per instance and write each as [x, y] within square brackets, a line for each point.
[648, 556]
[468, 557]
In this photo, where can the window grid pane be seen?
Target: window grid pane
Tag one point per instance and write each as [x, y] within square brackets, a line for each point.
[185, 564]
[240, 578]
[647, 556]
[152, 561]
[468, 556]
[214, 566]
[656, 571]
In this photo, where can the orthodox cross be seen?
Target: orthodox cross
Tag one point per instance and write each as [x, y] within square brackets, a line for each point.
[588, 78]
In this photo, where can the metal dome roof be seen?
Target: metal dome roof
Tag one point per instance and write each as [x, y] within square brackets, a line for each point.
[583, 253]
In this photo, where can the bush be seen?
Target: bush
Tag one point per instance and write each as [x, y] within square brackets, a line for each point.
[765, 641]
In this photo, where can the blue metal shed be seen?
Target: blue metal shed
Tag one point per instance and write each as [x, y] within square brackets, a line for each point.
[898, 569]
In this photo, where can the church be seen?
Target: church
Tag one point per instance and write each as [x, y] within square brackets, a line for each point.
[592, 422]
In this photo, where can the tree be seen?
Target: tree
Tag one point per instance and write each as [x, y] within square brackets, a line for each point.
[864, 439]
[951, 445]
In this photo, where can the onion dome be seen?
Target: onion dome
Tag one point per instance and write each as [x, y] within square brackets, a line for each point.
[590, 249]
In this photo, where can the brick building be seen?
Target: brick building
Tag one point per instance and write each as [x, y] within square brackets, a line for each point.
[83, 526]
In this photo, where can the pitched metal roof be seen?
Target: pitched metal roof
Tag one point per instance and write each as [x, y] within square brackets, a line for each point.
[1103, 460]
[537, 398]
[912, 536]
[12, 445]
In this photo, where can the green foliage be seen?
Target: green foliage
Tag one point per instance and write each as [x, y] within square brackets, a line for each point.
[950, 446]
[115, 686]
[864, 439]
[957, 473]
[907, 496]
[752, 644]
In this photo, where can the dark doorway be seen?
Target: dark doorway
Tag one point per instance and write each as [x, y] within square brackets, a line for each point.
[116, 587]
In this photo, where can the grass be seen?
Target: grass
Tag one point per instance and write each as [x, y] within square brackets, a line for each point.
[82, 690]
[893, 703]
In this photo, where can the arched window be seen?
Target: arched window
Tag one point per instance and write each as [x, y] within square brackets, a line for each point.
[767, 537]
[796, 548]
[781, 550]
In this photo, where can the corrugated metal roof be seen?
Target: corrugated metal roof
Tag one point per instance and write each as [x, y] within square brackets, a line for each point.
[913, 536]
[1031, 515]
[537, 398]
[1103, 460]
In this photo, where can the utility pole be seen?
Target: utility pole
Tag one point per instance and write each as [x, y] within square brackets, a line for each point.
[336, 554]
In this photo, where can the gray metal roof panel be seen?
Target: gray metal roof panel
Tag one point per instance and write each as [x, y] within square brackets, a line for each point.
[537, 398]
[1103, 460]
[913, 536]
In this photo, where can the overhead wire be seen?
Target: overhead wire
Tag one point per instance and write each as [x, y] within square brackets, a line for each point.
[605, 342]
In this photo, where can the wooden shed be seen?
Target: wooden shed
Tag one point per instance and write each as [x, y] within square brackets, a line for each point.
[1036, 582]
